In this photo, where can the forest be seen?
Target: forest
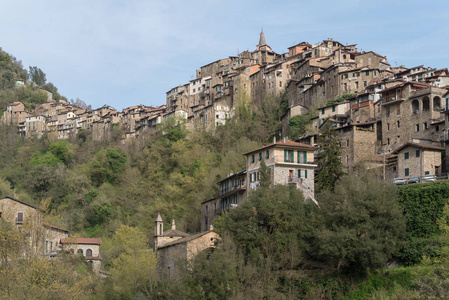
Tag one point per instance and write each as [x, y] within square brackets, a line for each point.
[367, 238]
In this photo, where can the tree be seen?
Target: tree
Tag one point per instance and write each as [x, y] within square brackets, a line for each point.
[329, 162]
[37, 76]
[362, 222]
[265, 174]
[272, 224]
[133, 268]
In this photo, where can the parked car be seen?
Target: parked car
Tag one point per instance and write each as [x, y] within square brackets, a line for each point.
[399, 181]
[429, 178]
[414, 179]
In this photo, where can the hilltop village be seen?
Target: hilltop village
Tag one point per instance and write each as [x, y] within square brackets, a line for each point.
[384, 115]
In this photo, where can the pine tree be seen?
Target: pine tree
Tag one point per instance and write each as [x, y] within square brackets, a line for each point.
[329, 162]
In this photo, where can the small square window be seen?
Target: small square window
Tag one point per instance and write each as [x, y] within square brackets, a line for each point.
[406, 155]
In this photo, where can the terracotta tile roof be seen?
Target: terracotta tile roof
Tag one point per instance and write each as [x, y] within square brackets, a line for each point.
[283, 144]
[87, 241]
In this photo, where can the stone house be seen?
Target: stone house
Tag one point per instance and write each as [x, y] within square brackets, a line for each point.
[35, 126]
[328, 111]
[408, 109]
[15, 114]
[173, 247]
[88, 247]
[289, 163]
[231, 193]
[358, 144]
[43, 237]
[415, 159]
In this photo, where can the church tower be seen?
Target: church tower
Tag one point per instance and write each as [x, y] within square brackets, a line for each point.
[158, 230]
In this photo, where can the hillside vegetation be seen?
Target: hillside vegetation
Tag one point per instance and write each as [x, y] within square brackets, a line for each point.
[274, 246]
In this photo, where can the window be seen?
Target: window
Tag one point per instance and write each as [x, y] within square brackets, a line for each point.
[417, 127]
[88, 252]
[260, 156]
[333, 108]
[288, 155]
[346, 76]
[252, 158]
[388, 126]
[19, 217]
[425, 125]
[418, 153]
[347, 143]
[437, 128]
[407, 172]
[388, 141]
[365, 84]
[322, 111]
[302, 157]
[367, 73]
[399, 124]
[302, 173]
[80, 251]
[406, 155]
[267, 155]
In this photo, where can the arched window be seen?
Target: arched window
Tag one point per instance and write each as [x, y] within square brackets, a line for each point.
[88, 252]
[415, 107]
[425, 104]
[436, 103]
[80, 251]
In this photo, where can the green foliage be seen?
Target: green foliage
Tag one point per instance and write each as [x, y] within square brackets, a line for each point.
[107, 166]
[37, 76]
[423, 205]
[362, 224]
[329, 162]
[271, 224]
[297, 125]
[340, 99]
[63, 151]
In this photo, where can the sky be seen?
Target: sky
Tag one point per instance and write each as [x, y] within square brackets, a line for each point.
[124, 53]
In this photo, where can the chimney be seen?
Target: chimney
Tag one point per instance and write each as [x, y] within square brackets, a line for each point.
[211, 227]
[274, 139]
[173, 225]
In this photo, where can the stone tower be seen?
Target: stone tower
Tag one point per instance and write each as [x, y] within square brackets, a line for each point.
[158, 230]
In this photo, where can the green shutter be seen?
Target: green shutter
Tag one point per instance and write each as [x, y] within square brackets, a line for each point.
[299, 156]
[292, 155]
[285, 156]
[299, 173]
[305, 173]
[305, 157]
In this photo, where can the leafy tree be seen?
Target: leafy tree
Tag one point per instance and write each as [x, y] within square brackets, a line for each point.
[265, 174]
[133, 269]
[297, 125]
[37, 76]
[272, 224]
[107, 166]
[329, 162]
[63, 151]
[362, 224]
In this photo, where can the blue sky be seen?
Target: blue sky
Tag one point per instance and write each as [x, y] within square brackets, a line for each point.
[131, 52]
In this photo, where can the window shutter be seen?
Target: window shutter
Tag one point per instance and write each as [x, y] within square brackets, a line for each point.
[305, 173]
[292, 155]
[285, 155]
[305, 157]
[299, 173]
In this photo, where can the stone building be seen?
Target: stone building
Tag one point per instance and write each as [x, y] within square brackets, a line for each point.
[15, 114]
[173, 247]
[231, 193]
[43, 237]
[88, 247]
[414, 159]
[408, 109]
